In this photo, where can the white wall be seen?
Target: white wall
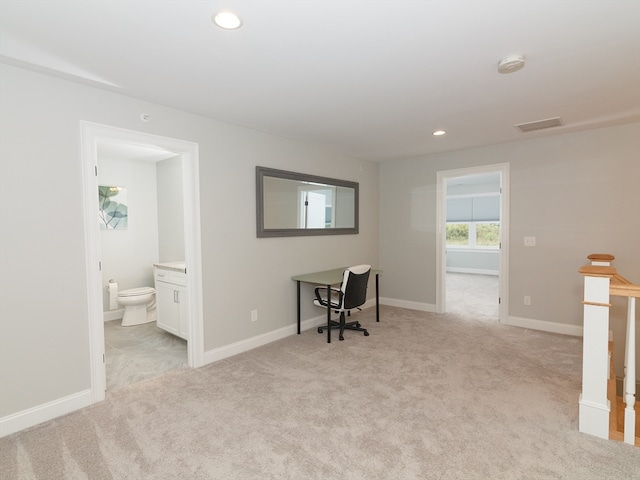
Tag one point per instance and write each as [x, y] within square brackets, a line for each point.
[576, 193]
[280, 198]
[44, 342]
[128, 255]
[170, 210]
[484, 262]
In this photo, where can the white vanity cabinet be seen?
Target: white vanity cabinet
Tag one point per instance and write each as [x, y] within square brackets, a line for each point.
[172, 303]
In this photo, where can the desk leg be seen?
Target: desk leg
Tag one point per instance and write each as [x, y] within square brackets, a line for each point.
[377, 301]
[329, 314]
[298, 307]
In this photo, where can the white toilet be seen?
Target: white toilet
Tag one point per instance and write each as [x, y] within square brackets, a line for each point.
[139, 305]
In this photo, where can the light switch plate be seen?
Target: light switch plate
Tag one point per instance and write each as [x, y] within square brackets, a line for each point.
[529, 241]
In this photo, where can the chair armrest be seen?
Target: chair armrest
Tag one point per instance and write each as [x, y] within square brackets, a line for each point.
[330, 294]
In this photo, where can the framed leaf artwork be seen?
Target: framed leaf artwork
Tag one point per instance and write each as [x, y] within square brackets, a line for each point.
[113, 214]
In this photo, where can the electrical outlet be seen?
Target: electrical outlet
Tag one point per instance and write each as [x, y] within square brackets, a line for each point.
[254, 315]
[527, 300]
[529, 241]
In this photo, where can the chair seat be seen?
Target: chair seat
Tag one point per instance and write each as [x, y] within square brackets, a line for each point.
[334, 306]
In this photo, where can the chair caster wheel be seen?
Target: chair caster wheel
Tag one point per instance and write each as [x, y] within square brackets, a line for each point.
[366, 334]
[341, 338]
[358, 324]
[319, 330]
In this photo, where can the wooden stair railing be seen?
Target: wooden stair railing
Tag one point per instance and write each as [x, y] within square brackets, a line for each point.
[597, 411]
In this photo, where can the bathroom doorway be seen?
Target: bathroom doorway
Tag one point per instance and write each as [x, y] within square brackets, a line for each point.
[95, 139]
[480, 263]
[141, 192]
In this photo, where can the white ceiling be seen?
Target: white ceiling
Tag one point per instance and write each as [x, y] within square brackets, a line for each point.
[371, 79]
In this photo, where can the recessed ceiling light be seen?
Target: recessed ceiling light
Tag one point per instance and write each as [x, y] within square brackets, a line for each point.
[227, 20]
[439, 133]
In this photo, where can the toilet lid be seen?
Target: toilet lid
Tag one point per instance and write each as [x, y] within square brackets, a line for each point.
[134, 292]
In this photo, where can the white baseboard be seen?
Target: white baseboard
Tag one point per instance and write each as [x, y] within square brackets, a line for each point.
[542, 325]
[113, 315]
[42, 413]
[553, 327]
[475, 271]
[423, 307]
[260, 340]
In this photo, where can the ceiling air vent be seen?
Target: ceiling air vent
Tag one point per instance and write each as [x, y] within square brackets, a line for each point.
[539, 125]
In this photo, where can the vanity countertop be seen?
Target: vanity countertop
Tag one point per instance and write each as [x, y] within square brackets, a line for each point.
[173, 266]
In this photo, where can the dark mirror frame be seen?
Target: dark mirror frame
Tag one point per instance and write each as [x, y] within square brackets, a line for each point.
[262, 232]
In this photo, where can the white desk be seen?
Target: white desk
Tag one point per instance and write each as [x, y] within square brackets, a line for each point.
[328, 278]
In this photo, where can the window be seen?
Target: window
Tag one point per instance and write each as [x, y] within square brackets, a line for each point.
[457, 234]
[473, 234]
[488, 234]
[473, 221]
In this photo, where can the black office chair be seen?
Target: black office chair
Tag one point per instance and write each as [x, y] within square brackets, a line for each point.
[351, 294]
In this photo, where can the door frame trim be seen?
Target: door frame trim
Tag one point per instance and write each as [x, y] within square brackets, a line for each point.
[441, 222]
[91, 135]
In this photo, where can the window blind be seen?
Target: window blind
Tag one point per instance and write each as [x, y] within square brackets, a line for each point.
[473, 209]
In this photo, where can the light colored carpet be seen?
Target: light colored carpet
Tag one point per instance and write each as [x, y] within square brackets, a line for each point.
[425, 396]
[474, 295]
[140, 352]
[145, 351]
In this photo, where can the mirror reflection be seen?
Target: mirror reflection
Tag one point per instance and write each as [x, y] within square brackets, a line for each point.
[290, 203]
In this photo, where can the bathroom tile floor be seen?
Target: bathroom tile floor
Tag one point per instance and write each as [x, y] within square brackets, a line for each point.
[140, 352]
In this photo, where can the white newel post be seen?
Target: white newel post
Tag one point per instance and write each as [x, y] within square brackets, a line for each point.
[594, 406]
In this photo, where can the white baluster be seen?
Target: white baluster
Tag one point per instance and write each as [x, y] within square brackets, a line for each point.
[630, 374]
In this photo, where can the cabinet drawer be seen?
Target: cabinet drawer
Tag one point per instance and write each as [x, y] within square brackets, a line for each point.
[168, 276]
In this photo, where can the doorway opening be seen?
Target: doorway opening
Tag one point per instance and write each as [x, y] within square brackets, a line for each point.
[472, 242]
[147, 182]
[94, 139]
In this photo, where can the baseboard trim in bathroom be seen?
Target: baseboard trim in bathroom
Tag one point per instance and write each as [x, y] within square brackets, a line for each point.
[113, 315]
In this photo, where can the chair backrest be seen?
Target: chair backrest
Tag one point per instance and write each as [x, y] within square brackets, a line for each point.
[354, 286]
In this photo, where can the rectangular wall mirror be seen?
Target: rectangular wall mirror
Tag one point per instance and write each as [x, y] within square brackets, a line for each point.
[295, 204]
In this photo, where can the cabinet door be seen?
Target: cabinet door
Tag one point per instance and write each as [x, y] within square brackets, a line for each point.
[167, 308]
[183, 307]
